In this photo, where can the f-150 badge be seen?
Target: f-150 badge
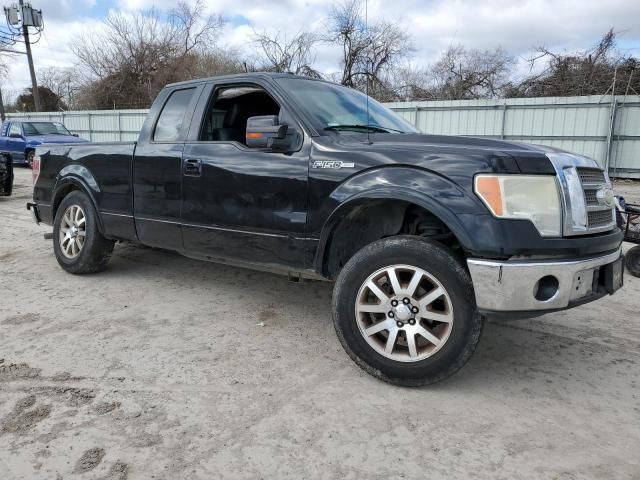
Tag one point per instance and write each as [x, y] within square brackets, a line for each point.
[335, 164]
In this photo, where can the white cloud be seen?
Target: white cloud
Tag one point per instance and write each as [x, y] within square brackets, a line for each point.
[433, 25]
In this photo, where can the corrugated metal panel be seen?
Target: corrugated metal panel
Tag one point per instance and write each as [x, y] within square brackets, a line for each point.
[577, 124]
[96, 125]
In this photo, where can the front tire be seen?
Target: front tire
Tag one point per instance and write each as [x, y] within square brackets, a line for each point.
[77, 242]
[404, 310]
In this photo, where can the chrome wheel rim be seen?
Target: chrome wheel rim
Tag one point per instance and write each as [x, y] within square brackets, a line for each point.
[73, 231]
[404, 313]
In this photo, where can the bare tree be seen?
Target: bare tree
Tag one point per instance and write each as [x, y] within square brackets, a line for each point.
[128, 62]
[193, 30]
[462, 73]
[369, 52]
[63, 82]
[295, 55]
[410, 82]
[589, 72]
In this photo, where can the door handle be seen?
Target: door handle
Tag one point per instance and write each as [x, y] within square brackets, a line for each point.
[192, 167]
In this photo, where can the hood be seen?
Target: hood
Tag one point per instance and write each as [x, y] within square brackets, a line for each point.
[443, 152]
[422, 141]
[40, 139]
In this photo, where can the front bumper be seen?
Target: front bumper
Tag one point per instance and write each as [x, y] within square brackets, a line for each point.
[537, 285]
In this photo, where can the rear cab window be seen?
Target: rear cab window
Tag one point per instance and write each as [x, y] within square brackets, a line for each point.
[169, 127]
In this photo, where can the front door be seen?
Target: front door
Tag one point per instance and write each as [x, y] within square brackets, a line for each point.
[240, 203]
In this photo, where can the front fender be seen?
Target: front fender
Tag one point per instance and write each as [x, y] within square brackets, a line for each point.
[436, 194]
[31, 145]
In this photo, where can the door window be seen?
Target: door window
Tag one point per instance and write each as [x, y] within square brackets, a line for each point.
[15, 128]
[229, 109]
[171, 120]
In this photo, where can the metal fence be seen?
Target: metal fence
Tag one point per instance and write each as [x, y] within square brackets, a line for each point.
[602, 127]
[96, 125]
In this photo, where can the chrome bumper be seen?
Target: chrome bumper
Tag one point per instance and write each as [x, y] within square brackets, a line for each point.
[504, 286]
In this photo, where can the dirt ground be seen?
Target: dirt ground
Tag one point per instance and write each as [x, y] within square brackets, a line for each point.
[167, 368]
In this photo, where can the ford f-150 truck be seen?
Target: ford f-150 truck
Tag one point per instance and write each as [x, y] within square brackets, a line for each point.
[19, 138]
[424, 235]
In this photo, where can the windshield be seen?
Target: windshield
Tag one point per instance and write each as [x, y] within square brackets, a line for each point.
[44, 128]
[336, 108]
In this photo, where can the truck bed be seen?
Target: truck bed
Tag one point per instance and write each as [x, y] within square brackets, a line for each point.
[106, 175]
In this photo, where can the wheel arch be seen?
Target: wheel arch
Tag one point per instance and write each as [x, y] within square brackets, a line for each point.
[393, 205]
[67, 184]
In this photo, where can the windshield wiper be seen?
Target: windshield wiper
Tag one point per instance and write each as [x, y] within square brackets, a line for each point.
[371, 128]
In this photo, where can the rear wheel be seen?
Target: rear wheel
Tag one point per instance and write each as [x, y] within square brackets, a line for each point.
[78, 244]
[404, 310]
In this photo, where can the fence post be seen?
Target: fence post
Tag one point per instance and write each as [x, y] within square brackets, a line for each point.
[504, 118]
[611, 132]
[90, 129]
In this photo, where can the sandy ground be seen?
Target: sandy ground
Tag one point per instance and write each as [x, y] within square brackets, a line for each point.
[167, 368]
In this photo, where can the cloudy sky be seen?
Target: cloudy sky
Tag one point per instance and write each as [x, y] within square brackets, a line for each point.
[516, 25]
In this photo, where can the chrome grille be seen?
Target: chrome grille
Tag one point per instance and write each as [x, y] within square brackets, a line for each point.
[600, 218]
[592, 176]
[591, 197]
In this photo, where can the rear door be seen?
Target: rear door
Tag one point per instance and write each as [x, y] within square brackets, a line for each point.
[157, 167]
[240, 203]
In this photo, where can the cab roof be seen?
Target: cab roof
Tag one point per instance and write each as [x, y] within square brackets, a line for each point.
[244, 76]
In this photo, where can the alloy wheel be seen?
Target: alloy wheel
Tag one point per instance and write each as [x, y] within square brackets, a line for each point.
[73, 231]
[404, 313]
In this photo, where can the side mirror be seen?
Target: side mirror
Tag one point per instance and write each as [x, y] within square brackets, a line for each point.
[264, 132]
[15, 135]
[75, 134]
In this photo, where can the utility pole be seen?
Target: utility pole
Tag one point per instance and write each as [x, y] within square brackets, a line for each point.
[32, 70]
[19, 18]
[2, 117]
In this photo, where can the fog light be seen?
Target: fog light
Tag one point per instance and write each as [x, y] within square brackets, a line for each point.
[546, 288]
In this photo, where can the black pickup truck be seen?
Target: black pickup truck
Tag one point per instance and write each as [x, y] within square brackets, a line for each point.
[423, 235]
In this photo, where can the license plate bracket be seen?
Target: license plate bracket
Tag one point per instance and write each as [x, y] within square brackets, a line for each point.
[614, 276]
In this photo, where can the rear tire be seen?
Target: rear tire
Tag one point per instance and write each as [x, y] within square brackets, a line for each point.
[632, 260]
[428, 310]
[77, 242]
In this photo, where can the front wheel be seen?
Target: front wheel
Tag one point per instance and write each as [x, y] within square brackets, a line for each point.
[404, 310]
[78, 244]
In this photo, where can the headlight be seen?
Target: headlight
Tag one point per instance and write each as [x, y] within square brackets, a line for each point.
[529, 197]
